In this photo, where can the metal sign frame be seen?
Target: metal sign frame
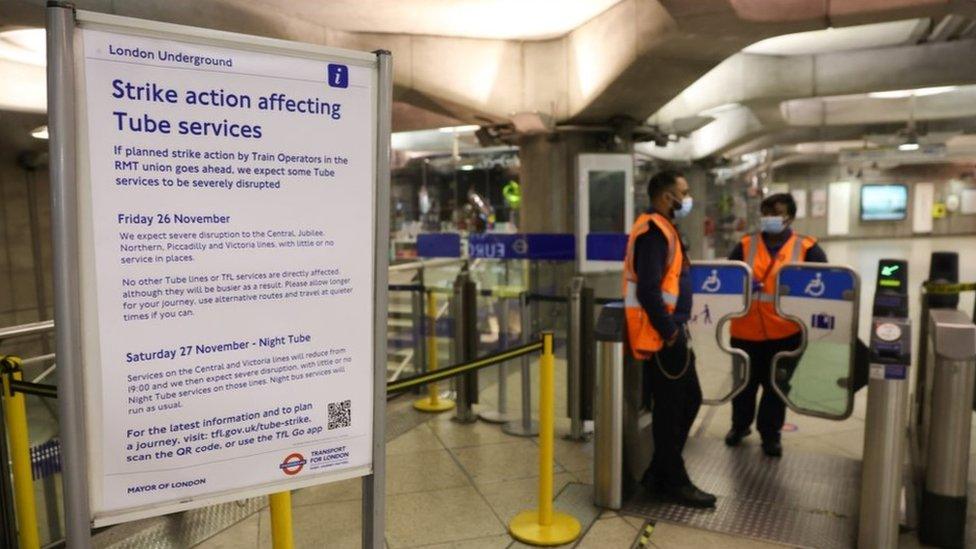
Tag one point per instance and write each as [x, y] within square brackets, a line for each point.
[747, 293]
[856, 300]
[66, 166]
[611, 162]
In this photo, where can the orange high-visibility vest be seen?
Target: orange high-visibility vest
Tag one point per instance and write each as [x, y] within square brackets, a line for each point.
[762, 323]
[644, 339]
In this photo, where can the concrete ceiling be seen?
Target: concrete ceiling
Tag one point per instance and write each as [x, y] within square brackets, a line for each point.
[878, 35]
[483, 61]
[753, 96]
[497, 19]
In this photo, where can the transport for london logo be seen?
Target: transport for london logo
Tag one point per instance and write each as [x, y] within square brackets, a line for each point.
[293, 464]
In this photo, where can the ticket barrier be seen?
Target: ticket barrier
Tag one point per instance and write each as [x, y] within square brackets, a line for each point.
[623, 443]
[882, 482]
[822, 298]
[952, 360]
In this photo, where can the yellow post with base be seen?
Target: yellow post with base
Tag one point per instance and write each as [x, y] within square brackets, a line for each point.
[282, 536]
[433, 401]
[15, 414]
[544, 526]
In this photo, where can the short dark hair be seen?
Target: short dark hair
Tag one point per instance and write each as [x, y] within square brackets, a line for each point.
[662, 182]
[785, 199]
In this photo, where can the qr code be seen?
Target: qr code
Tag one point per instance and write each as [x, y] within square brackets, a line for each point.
[340, 414]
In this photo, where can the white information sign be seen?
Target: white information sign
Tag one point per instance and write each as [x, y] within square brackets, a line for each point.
[227, 206]
[922, 204]
[839, 211]
[800, 197]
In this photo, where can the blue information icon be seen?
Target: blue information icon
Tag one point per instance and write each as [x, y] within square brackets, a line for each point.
[338, 76]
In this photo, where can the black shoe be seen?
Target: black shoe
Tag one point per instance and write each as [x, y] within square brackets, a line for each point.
[772, 448]
[735, 436]
[689, 495]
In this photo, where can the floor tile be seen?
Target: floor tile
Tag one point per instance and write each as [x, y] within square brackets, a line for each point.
[242, 535]
[573, 455]
[813, 426]
[346, 490]
[851, 442]
[584, 476]
[517, 459]
[456, 435]
[423, 471]
[609, 533]
[490, 542]
[449, 515]
[419, 439]
[510, 498]
[339, 523]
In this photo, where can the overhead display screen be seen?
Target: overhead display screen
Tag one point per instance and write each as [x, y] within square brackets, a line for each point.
[884, 202]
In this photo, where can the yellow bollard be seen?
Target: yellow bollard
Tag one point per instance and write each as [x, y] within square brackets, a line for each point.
[433, 401]
[281, 531]
[15, 412]
[544, 526]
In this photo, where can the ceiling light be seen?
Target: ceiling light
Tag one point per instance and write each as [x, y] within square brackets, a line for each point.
[919, 92]
[467, 168]
[39, 132]
[458, 129]
[25, 46]
[910, 144]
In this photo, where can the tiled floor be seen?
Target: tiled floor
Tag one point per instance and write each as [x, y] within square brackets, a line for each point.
[456, 486]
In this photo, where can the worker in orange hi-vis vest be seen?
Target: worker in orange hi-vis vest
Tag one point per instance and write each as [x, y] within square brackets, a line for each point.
[762, 333]
[657, 305]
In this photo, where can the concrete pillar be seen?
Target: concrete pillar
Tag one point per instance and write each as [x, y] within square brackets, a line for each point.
[549, 182]
[693, 226]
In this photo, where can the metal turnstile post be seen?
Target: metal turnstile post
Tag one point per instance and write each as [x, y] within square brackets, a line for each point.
[952, 345]
[524, 426]
[608, 428]
[465, 345]
[885, 429]
[622, 439]
[500, 413]
[574, 360]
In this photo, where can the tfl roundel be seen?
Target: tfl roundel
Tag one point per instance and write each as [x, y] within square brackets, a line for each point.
[293, 464]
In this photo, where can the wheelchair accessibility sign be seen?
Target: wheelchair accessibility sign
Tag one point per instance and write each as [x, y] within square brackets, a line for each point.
[816, 287]
[713, 278]
[712, 283]
[817, 281]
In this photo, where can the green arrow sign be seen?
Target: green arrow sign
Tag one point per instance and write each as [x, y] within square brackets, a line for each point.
[889, 270]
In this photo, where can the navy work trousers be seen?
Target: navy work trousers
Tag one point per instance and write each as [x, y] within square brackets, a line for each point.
[772, 410]
[675, 404]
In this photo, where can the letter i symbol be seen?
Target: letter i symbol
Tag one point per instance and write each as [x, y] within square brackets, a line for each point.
[338, 76]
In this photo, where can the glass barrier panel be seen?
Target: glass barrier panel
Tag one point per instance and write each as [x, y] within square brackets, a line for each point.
[823, 300]
[722, 292]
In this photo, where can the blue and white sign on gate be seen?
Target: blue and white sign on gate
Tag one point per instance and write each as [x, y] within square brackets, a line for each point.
[439, 245]
[823, 300]
[722, 291]
[543, 246]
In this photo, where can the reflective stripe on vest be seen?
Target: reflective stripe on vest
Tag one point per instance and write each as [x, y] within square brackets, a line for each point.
[644, 340]
[762, 322]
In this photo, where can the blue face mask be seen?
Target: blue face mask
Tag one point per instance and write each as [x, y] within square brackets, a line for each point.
[772, 224]
[685, 209]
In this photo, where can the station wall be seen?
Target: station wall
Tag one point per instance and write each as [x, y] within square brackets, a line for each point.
[947, 178]
[18, 282]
